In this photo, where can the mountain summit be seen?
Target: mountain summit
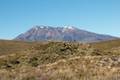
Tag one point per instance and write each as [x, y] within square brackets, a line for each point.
[67, 33]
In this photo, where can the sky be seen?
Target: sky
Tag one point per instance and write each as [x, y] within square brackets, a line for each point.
[100, 16]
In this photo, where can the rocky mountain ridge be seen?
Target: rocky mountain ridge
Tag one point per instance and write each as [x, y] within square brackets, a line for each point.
[67, 33]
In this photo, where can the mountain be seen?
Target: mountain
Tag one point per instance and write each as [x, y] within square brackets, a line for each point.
[67, 33]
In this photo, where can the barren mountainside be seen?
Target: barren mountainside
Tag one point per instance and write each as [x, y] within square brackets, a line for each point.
[68, 33]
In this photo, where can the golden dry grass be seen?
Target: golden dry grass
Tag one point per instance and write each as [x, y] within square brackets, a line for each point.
[59, 60]
[77, 68]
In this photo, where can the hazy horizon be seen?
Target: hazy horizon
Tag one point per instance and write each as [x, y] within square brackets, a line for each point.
[18, 16]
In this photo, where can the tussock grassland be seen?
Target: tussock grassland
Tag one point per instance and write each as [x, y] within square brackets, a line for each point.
[59, 60]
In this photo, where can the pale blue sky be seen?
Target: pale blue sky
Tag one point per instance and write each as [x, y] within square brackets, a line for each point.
[101, 16]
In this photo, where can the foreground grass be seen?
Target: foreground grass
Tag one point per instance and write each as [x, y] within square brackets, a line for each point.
[58, 61]
[77, 68]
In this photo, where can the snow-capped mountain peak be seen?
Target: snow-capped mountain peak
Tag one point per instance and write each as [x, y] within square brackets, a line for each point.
[69, 27]
[66, 33]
